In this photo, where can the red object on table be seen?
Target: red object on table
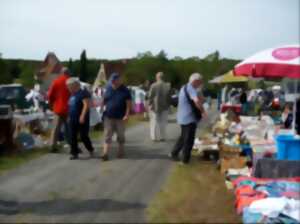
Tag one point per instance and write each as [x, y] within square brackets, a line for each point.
[236, 108]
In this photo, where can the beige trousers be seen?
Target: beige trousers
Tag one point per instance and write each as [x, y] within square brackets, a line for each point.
[112, 126]
[158, 124]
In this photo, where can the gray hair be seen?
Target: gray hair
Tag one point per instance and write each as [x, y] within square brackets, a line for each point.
[72, 81]
[194, 77]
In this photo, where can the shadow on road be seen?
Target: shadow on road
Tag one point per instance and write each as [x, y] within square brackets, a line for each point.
[65, 206]
[136, 153]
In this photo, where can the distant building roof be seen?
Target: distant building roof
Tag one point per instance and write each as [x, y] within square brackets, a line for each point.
[115, 66]
[51, 65]
[49, 70]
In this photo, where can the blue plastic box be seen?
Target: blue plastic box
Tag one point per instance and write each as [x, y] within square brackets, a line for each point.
[288, 147]
[247, 150]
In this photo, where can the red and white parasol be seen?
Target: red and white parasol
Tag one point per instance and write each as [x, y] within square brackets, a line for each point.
[281, 62]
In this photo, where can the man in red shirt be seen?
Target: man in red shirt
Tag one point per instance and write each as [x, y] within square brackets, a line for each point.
[58, 97]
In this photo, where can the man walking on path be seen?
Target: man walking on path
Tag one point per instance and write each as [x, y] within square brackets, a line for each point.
[159, 102]
[58, 97]
[79, 117]
[190, 111]
[117, 102]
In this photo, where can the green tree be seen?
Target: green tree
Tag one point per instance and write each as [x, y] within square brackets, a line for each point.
[162, 55]
[4, 72]
[15, 69]
[83, 72]
[27, 77]
[145, 54]
[93, 68]
[71, 67]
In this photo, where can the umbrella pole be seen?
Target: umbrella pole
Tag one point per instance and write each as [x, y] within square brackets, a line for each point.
[294, 116]
[294, 108]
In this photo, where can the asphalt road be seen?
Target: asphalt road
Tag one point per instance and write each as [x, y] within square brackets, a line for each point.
[54, 189]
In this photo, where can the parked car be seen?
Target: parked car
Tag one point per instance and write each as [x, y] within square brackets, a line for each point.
[14, 95]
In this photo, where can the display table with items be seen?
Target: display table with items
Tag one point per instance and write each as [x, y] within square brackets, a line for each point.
[261, 164]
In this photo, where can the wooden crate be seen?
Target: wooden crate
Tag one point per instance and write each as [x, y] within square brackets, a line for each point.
[233, 163]
[227, 151]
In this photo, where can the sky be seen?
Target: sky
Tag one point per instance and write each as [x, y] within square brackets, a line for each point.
[115, 29]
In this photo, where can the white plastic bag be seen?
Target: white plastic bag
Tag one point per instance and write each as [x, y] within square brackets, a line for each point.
[95, 117]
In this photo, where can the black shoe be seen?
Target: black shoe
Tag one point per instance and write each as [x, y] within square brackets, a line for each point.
[74, 157]
[172, 157]
[104, 157]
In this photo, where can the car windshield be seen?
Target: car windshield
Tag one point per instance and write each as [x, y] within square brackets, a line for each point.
[10, 92]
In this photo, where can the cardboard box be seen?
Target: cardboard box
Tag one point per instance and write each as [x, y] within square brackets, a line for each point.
[233, 163]
[227, 151]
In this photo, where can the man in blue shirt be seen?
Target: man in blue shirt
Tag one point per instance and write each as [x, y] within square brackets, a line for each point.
[117, 102]
[189, 103]
[79, 117]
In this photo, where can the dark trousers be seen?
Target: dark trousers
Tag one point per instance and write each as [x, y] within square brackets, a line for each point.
[83, 130]
[185, 142]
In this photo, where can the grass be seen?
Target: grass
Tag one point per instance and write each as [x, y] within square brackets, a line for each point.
[135, 119]
[194, 193]
[8, 162]
[96, 134]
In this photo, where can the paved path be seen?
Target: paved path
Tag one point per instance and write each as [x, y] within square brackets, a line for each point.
[55, 189]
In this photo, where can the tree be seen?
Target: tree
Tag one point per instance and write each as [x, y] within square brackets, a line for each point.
[15, 69]
[71, 67]
[92, 68]
[162, 55]
[145, 54]
[83, 75]
[177, 58]
[213, 56]
[4, 72]
[27, 77]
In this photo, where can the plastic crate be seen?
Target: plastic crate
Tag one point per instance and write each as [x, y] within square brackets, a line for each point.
[247, 150]
[288, 147]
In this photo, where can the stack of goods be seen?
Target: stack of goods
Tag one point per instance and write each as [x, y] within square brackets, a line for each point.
[207, 147]
[247, 148]
[228, 144]
[31, 130]
[268, 200]
[235, 152]
[221, 126]
[233, 174]
[233, 163]
[231, 157]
